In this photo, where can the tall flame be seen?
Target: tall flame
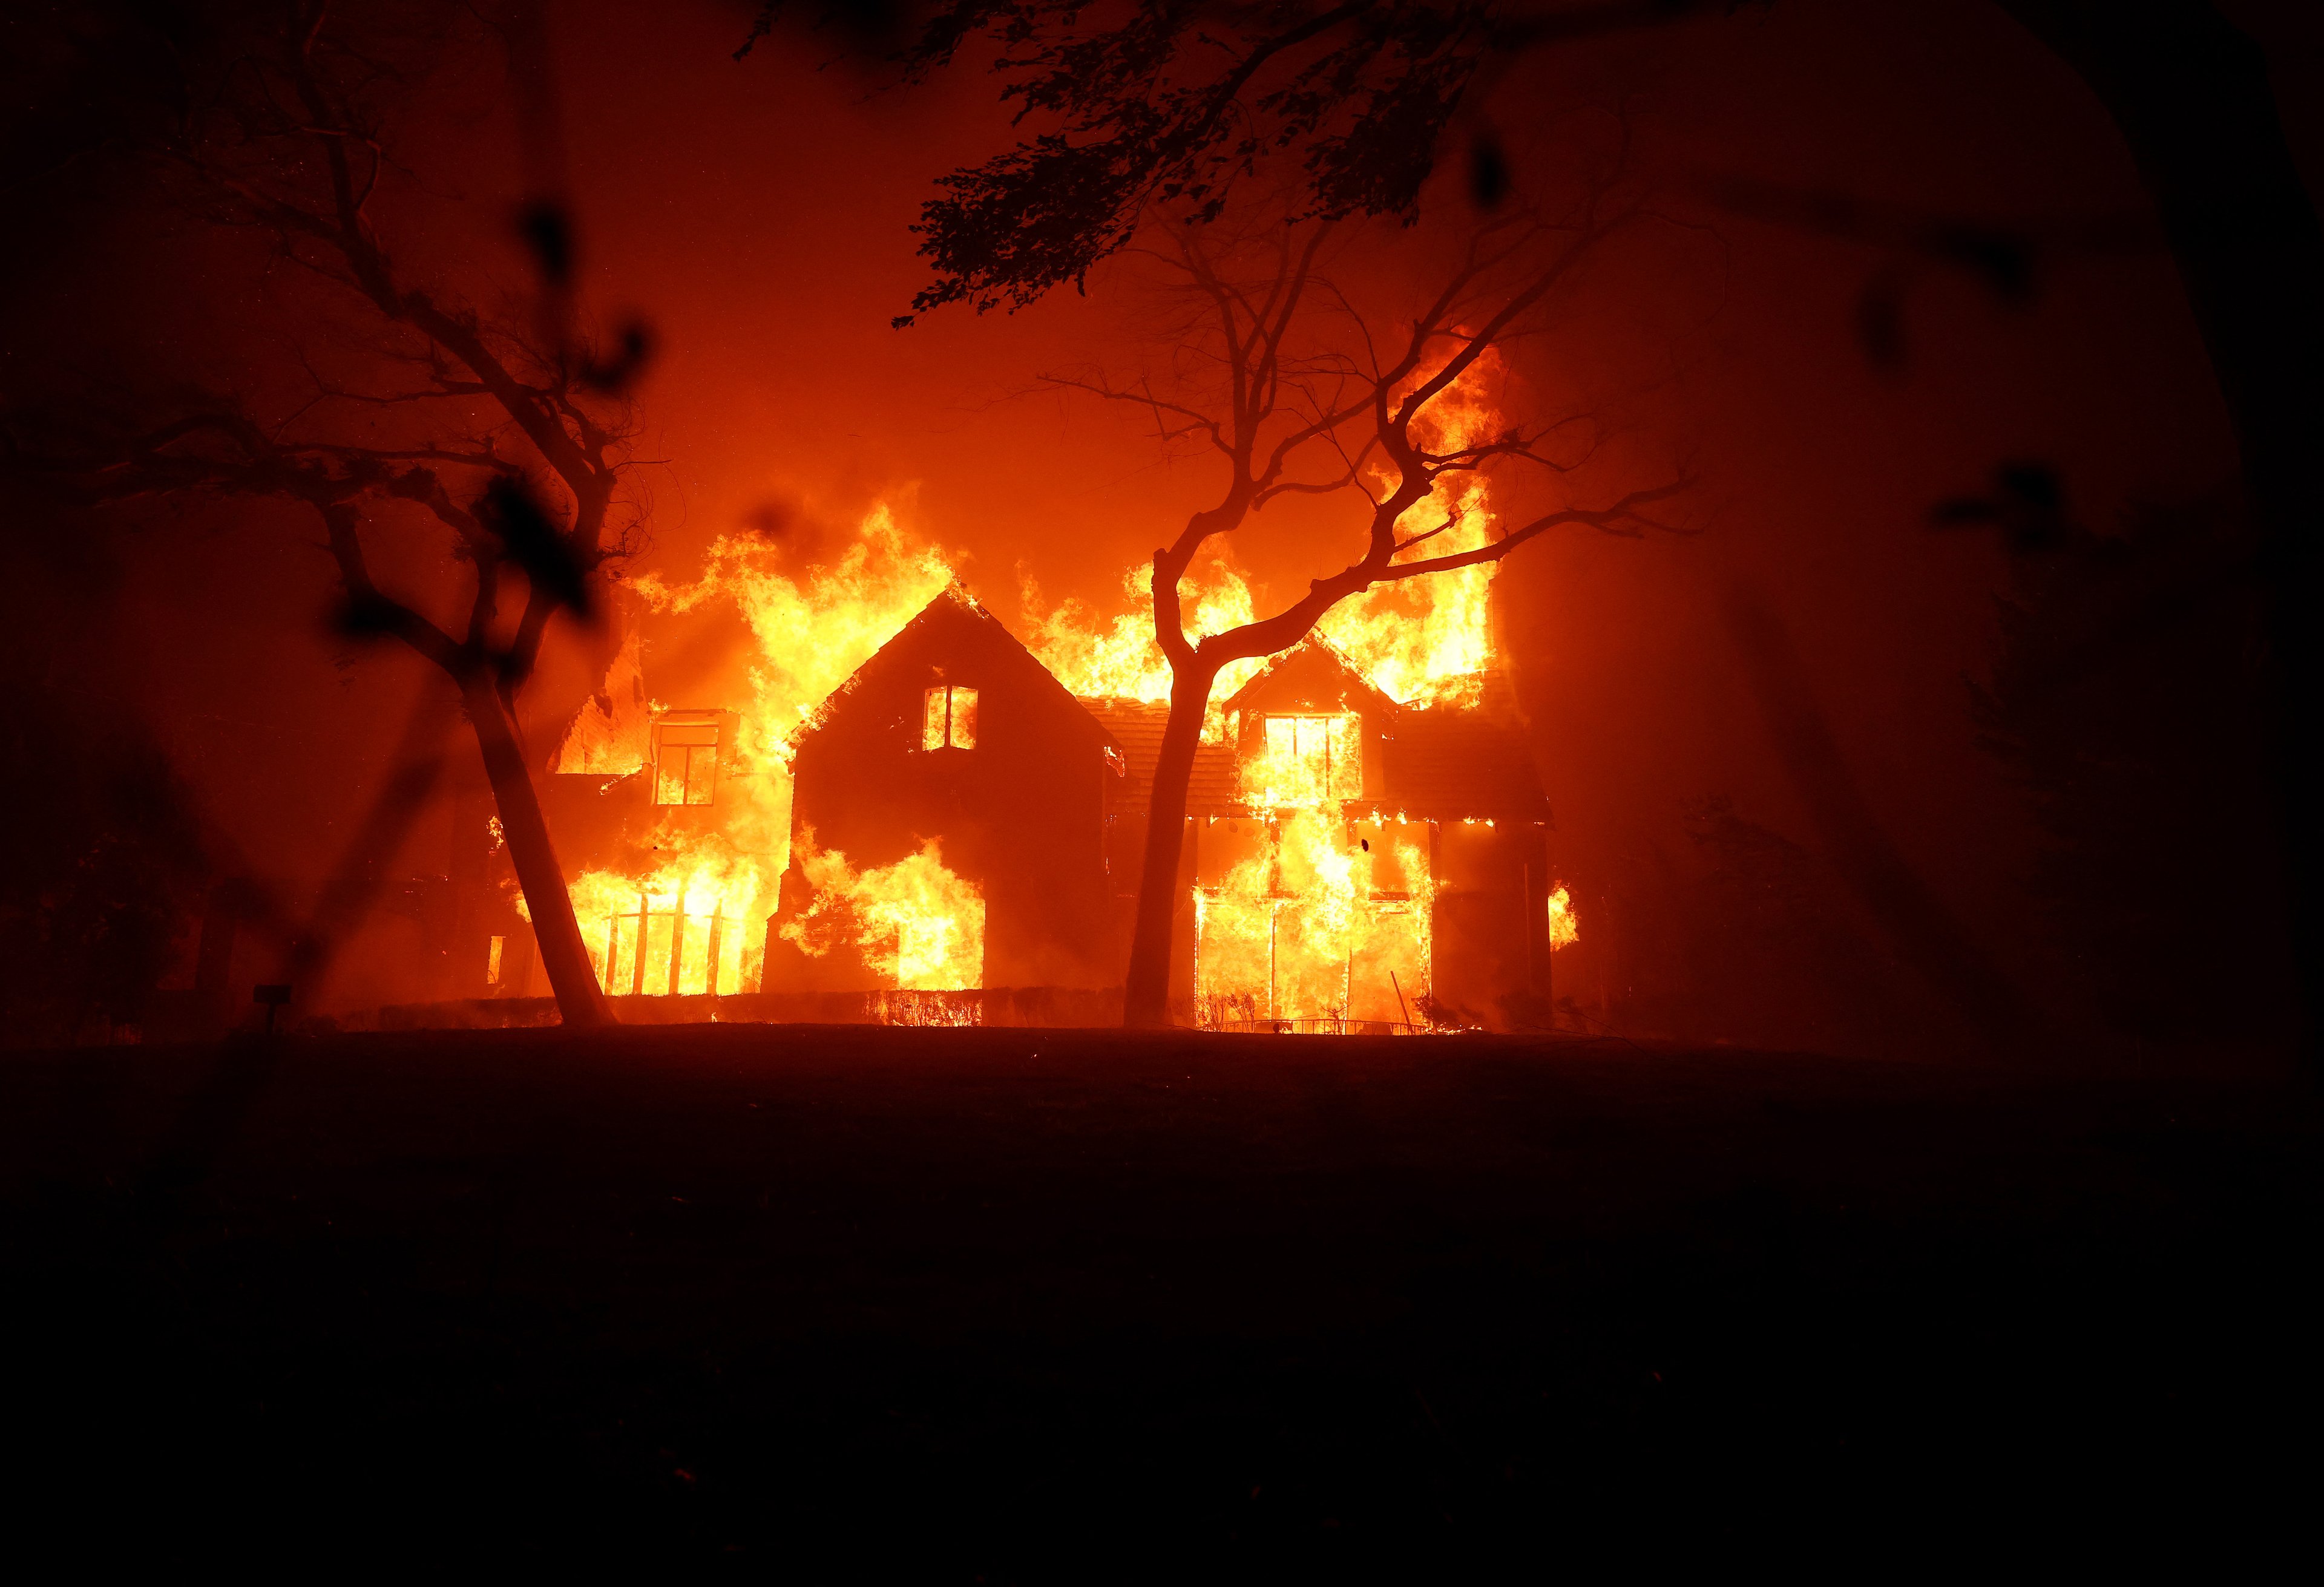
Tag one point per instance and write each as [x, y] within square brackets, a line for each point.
[1422, 641]
[1121, 660]
[610, 734]
[1564, 929]
[1427, 640]
[814, 627]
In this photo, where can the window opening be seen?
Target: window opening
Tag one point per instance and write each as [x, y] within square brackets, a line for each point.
[1311, 757]
[948, 719]
[662, 947]
[685, 763]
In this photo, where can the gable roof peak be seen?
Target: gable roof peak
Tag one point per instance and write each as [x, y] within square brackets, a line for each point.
[1314, 645]
[952, 598]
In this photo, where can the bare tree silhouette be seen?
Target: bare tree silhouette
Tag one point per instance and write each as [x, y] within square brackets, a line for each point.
[508, 432]
[1281, 394]
[1180, 101]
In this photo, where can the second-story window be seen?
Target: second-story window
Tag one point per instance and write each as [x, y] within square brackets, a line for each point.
[1305, 758]
[948, 719]
[685, 763]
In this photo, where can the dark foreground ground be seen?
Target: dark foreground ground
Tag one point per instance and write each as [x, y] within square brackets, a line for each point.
[828, 1302]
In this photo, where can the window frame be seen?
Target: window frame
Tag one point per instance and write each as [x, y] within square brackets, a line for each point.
[953, 719]
[697, 762]
[1352, 735]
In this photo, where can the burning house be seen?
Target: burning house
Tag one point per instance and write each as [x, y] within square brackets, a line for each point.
[955, 813]
[959, 820]
[948, 821]
[666, 861]
[1348, 859]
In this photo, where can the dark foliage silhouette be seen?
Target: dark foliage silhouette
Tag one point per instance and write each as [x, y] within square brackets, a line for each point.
[2129, 702]
[1181, 102]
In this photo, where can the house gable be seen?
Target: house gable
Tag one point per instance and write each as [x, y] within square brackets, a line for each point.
[883, 766]
[1315, 679]
[1312, 676]
[955, 639]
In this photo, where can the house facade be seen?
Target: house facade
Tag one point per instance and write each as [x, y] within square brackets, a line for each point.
[1346, 862]
[953, 733]
[959, 820]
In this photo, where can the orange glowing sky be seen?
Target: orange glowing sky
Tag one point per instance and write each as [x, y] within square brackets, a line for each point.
[758, 214]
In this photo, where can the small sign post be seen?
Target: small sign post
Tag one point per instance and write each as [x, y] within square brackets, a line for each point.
[274, 996]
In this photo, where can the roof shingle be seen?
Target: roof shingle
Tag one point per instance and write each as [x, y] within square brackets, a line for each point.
[1451, 762]
[1137, 727]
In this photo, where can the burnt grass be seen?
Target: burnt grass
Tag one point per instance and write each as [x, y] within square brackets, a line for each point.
[824, 1303]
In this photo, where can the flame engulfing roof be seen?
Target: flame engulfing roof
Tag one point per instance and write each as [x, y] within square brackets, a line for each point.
[1448, 761]
[1319, 673]
[981, 634]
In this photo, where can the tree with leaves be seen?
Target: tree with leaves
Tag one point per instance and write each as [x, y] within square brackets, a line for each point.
[499, 440]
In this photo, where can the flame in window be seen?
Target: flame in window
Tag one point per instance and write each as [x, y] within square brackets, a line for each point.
[948, 719]
[695, 924]
[1563, 929]
[1306, 760]
[685, 762]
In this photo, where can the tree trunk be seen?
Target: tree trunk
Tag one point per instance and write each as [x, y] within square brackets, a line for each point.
[2191, 97]
[1145, 991]
[580, 1002]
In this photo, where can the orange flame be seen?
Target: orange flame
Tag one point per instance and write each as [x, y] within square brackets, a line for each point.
[814, 628]
[1427, 640]
[1422, 641]
[1321, 919]
[610, 735]
[1121, 660]
[1310, 760]
[695, 924]
[1564, 930]
[917, 923]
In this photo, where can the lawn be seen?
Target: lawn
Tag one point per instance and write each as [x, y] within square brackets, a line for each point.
[831, 1302]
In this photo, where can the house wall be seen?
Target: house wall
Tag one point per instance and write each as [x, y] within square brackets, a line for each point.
[1020, 814]
[1490, 922]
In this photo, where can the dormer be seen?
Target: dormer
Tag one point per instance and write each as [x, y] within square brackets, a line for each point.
[1309, 728]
